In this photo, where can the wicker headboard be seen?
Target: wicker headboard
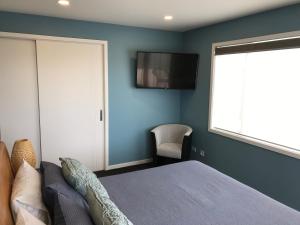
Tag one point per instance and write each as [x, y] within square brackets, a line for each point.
[6, 180]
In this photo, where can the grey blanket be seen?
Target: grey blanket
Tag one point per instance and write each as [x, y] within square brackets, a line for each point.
[191, 193]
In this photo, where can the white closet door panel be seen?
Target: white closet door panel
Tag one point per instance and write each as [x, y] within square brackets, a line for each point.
[71, 96]
[19, 114]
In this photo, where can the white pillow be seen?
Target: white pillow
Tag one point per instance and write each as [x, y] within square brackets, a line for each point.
[26, 193]
[25, 218]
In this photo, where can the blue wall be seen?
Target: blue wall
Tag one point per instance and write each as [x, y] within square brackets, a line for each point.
[273, 174]
[132, 112]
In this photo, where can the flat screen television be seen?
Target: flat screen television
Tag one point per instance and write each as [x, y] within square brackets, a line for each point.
[166, 70]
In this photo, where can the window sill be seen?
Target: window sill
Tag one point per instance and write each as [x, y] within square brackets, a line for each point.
[260, 143]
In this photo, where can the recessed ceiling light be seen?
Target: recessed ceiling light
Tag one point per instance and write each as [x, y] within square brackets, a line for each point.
[168, 17]
[63, 2]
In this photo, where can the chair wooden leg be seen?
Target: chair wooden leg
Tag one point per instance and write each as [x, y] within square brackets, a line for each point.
[155, 160]
[154, 150]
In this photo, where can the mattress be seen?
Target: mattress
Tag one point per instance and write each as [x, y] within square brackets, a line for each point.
[192, 193]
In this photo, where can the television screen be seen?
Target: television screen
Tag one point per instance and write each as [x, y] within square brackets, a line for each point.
[166, 70]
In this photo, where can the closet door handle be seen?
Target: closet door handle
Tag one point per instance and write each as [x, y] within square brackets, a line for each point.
[100, 114]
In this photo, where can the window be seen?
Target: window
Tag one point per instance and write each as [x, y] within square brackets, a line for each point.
[255, 92]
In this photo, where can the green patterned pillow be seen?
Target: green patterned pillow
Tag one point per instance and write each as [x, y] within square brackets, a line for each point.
[104, 211]
[79, 177]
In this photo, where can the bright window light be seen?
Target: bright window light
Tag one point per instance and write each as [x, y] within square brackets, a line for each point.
[63, 2]
[168, 17]
[256, 98]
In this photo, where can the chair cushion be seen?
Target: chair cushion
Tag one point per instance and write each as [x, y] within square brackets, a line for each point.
[171, 133]
[171, 150]
[54, 184]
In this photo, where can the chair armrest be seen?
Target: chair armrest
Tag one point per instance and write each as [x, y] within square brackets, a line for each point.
[189, 132]
[156, 134]
[154, 130]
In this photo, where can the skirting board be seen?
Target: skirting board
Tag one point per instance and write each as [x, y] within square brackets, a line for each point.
[133, 163]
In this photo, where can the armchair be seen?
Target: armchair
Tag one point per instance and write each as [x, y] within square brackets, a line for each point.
[171, 141]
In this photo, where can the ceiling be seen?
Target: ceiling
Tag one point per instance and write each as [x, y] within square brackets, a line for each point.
[187, 14]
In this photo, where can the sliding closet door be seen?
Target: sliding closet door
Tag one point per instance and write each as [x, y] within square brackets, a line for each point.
[19, 116]
[70, 77]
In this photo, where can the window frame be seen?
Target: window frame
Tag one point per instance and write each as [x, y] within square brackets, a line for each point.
[236, 136]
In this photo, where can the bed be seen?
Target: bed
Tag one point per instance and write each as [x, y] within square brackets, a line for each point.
[191, 193]
[187, 193]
